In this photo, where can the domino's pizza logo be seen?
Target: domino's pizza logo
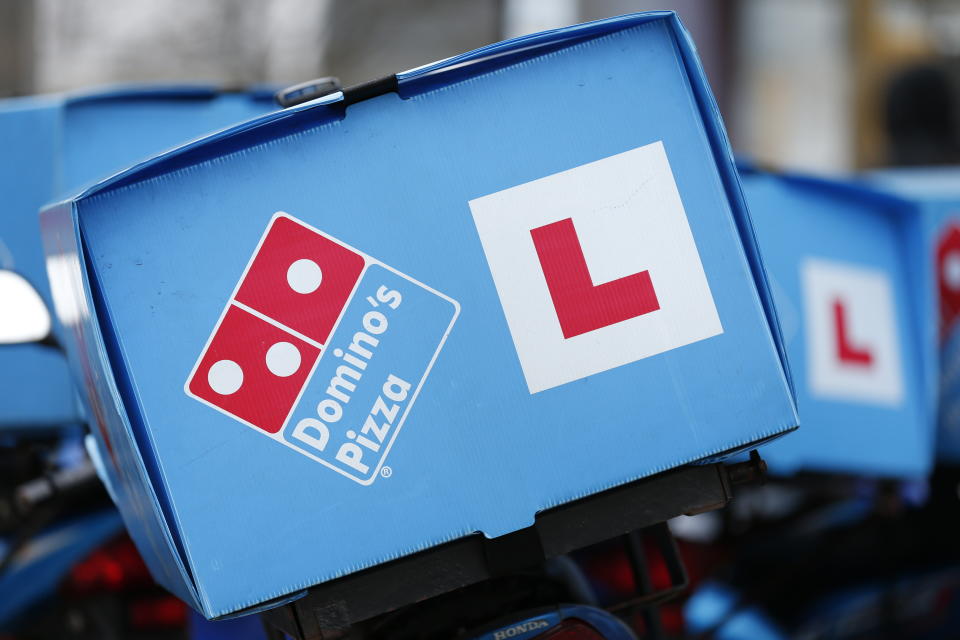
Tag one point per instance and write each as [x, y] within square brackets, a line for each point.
[322, 348]
[948, 277]
[596, 267]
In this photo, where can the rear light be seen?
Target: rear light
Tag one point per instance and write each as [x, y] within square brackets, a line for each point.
[160, 612]
[114, 567]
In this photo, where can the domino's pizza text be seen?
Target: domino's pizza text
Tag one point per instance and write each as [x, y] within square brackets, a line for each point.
[356, 357]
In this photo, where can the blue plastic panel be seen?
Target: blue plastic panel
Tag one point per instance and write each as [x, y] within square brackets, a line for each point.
[931, 201]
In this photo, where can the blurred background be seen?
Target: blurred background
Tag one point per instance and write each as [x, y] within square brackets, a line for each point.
[822, 85]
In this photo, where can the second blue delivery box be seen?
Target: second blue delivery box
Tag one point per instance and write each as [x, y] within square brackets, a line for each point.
[840, 268]
[51, 146]
[426, 307]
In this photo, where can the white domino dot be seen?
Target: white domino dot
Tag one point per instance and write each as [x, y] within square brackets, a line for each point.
[283, 359]
[304, 276]
[951, 270]
[225, 377]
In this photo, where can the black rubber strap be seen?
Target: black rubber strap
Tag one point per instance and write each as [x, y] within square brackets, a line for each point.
[356, 93]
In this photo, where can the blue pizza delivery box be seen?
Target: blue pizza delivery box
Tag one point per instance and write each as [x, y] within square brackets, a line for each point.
[841, 277]
[931, 198]
[35, 385]
[426, 307]
[51, 146]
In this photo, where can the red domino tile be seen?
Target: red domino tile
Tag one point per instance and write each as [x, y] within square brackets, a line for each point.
[269, 285]
[242, 343]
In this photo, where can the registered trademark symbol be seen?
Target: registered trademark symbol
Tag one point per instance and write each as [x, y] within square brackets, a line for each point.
[386, 472]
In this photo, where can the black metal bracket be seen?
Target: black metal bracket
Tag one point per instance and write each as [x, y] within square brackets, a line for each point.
[306, 91]
[331, 608]
[313, 89]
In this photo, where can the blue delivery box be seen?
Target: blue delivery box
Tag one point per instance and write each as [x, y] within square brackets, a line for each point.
[425, 307]
[840, 272]
[36, 386]
[931, 202]
[51, 146]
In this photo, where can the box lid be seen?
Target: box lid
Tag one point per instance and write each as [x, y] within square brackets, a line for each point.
[109, 129]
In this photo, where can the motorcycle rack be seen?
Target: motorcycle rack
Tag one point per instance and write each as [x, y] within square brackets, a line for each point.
[330, 609]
